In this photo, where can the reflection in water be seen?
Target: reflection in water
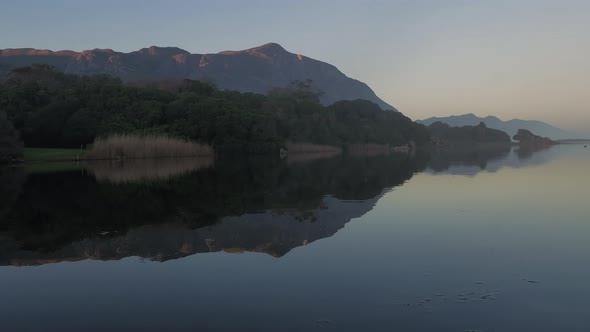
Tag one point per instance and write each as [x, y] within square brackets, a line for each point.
[311, 156]
[165, 209]
[526, 152]
[443, 159]
[266, 232]
[11, 182]
[259, 205]
[470, 162]
[134, 170]
[440, 253]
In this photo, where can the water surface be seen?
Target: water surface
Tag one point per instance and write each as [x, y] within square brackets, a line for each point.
[472, 240]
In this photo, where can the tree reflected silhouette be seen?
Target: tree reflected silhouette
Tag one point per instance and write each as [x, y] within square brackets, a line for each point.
[240, 204]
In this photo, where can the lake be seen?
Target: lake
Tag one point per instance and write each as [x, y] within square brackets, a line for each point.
[494, 240]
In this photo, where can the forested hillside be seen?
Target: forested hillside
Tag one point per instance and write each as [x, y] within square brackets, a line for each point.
[258, 69]
[53, 109]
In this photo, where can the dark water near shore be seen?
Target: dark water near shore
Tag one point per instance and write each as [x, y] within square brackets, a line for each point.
[493, 240]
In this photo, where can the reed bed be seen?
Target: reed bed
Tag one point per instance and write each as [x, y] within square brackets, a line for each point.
[143, 147]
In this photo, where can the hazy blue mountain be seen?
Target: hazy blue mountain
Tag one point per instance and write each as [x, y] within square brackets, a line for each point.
[510, 127]
[257, 69]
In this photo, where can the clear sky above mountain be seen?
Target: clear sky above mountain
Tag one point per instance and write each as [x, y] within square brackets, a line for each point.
[509, 58]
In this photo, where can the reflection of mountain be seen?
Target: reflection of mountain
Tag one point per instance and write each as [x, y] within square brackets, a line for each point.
[261, 206]
[266, 232]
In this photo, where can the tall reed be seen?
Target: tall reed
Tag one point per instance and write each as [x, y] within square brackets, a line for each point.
[148, 146]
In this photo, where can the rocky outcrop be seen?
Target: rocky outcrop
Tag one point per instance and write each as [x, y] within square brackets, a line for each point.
[527, 139]
[258, 69]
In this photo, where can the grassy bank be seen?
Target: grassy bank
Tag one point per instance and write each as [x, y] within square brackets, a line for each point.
[122, 147]
[46, 154]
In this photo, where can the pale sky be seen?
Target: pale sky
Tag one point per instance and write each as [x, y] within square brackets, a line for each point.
[525, 59]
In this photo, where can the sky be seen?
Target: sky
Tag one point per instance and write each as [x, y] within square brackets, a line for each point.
[527, 59]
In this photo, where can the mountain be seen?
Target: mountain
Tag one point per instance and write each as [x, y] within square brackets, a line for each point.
[257, 69]
[511, 127]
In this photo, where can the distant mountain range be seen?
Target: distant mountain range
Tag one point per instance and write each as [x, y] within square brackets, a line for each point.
[257, 69]
[510, 127]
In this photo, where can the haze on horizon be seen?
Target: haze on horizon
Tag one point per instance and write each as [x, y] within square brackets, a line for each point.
[523, 59]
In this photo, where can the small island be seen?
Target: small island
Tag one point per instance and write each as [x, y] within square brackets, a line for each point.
[527, 139]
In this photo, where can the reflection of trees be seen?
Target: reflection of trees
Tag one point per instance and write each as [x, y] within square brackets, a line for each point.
[55, 210]
[526, 152]
[442, 159]
[11, 181]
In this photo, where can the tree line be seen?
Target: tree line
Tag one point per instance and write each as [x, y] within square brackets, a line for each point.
[51, 109]
[444, 134]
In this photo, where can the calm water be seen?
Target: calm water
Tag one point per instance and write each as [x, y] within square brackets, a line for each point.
[479, 240]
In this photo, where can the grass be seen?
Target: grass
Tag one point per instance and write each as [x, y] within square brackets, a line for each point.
[42, 154]
[140, 147]
[122, 147]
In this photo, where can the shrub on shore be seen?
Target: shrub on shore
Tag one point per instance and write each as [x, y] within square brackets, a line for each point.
[150, 146]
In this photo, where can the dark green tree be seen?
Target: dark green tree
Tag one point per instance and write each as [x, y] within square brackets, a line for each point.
[53, 109]
[10, 145]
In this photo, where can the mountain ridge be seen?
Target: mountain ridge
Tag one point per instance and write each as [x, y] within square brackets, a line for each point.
[257, 69]
[511, 127]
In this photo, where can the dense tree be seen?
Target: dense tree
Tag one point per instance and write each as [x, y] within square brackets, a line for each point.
[53, 109]
[479, 134]
[10, 145]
